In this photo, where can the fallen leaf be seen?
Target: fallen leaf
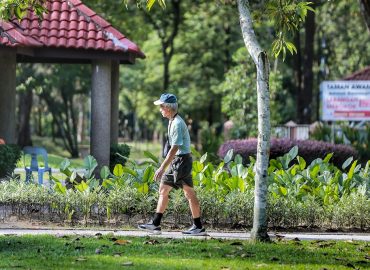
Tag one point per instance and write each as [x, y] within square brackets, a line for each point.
[122, 242]
[151, 242]
[128, 264]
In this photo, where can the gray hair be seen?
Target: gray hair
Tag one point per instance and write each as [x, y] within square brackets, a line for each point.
[171, 106]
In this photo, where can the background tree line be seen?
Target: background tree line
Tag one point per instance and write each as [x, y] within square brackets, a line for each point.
[194, 50]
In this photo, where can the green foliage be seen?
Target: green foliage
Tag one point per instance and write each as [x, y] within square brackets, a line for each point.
[239, 98]
[210, 140]
[19, 8]
[300, 194]
[321, 132]
[359, 138]
[9, 156]
[342, 28]
[286, 17]
[118, 155]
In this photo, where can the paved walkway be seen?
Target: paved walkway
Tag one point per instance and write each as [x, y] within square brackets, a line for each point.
[177, 234]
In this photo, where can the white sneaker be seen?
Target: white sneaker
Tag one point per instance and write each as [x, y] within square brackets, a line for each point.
[150, 227]
[194, 230]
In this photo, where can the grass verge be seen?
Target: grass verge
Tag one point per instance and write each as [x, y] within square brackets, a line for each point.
[110, 252]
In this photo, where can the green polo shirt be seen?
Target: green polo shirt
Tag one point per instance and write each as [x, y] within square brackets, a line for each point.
[179, 135]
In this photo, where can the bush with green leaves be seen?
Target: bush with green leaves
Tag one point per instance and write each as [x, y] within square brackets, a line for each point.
[9, 156]
[318, 194]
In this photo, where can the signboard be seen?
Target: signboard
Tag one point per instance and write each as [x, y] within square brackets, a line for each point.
[345, 100]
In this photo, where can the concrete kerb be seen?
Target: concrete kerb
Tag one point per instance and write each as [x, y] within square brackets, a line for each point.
[178, 235]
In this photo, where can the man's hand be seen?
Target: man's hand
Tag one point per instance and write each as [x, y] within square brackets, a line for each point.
[158, 174]
[166, 162]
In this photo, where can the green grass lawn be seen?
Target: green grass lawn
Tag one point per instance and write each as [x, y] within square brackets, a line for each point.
[137, 149]
[109, 252]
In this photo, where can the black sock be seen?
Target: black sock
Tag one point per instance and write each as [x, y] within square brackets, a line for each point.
[197, 222]
[157, 219]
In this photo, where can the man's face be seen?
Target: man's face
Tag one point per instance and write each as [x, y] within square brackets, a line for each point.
[165, 111]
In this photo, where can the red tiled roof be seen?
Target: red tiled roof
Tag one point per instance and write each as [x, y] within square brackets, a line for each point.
[68, 24]
[361, 75]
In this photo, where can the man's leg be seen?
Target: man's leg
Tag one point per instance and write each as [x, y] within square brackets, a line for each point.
[193, 200]
[197, 228]
[154, 225]
[164, 191]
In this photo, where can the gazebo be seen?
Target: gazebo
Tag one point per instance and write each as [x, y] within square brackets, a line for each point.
[69, 33]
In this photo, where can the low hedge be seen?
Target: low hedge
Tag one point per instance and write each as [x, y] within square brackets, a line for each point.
[9, 156]
[308, 149]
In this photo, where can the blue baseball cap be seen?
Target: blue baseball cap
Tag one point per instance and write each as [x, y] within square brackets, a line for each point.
[166, 98]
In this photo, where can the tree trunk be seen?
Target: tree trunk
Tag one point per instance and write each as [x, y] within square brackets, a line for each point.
[259, 231]
[25, 106]
[306, 96]
[365, 10]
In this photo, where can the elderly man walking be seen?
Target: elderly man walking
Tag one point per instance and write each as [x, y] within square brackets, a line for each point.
[175, 170]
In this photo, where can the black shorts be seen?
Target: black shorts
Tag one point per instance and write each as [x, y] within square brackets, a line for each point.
[179, 172]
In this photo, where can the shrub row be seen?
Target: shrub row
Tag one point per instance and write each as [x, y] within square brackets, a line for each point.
[309, 150]
[230, 211]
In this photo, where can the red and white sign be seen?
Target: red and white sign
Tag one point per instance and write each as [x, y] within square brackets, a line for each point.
[345, 100]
